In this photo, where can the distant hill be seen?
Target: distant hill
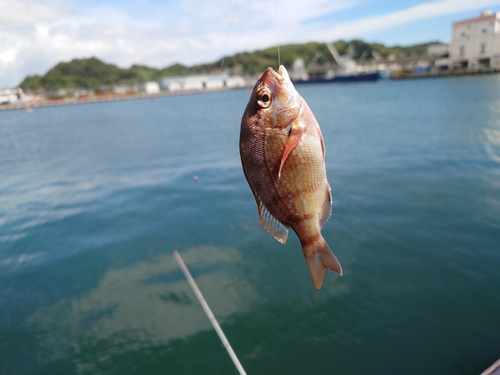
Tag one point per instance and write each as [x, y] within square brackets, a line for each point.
[258, 61]
[92, 72]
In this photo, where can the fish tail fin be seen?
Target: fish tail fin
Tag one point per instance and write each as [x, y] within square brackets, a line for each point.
[319, 257]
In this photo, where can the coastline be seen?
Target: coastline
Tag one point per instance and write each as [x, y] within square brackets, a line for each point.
[28, 106]
[447, 73]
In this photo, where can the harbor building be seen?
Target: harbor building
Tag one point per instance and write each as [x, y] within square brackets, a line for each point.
[475, 42]
[201, 82]
[11, 95]
[150, 87]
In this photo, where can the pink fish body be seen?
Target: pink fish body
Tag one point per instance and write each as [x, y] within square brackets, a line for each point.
[283, 158]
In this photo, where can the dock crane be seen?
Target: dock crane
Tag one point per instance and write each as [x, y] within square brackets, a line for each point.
[313, 61]
[334, 52]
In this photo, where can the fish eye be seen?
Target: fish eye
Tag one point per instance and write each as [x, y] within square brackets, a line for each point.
[264, 98]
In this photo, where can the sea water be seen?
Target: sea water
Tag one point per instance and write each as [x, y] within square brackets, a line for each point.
[95, 197]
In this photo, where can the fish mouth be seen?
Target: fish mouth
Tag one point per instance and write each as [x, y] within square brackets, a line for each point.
[279, 75]
[279, 82]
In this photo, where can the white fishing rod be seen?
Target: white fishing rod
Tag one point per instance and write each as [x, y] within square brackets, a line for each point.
[210, 316]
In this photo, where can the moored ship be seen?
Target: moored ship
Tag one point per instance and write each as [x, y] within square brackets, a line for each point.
[348, 71]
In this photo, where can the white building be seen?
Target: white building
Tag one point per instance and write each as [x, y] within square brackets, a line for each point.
[475, 42]
[8, 96]
[299, 70]
[194, 83]
[438, 49]
[201, 82]
[171, 84]
[235, 81]
[150, 88]
[122, 89]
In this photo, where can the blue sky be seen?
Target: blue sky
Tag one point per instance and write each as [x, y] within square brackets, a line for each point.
[36, 35]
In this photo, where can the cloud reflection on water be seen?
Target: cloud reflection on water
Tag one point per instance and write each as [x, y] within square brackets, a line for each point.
[492, 144]
[148, 303]
[492, 130]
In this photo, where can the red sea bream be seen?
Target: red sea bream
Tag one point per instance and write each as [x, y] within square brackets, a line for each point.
[283, 158]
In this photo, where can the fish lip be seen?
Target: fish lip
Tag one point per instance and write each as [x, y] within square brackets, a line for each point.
[277, 75]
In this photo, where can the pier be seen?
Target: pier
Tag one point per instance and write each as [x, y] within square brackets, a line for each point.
[29, 105]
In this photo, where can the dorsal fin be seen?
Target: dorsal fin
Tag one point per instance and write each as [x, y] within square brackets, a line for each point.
[327, 207]
[272, 225]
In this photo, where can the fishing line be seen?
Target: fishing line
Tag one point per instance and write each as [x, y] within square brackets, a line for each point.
[208, 312]
[228, 34]
[277, 36]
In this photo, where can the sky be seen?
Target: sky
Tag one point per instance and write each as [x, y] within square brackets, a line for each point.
[36, 35]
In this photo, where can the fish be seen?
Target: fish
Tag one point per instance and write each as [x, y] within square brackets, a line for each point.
[283, 158]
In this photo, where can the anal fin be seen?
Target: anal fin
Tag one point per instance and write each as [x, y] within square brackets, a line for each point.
[271, 224]
[327, 207]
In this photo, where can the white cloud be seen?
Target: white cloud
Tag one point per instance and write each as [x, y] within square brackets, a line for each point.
[284, 13]
[8, 56]
[397, 18]
[38, 35]
[15, 12]
[35, 36]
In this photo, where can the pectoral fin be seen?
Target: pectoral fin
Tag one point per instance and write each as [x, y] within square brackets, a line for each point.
[292, 142]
